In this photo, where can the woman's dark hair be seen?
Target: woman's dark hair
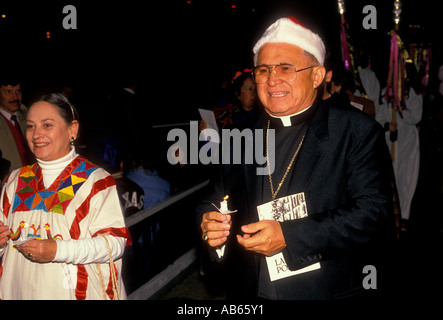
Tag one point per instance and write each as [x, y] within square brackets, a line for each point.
[234, 86]
[238, 80]
[65, 108]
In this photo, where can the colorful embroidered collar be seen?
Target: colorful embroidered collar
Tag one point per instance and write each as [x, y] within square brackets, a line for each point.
[32, 195]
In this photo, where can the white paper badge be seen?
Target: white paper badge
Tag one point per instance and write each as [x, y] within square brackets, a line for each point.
[291, 207]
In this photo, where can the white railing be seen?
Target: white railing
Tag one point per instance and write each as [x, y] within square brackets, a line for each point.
[162, 279]
[143, 214]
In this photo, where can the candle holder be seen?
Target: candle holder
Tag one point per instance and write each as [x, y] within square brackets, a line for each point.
[224, 210]
[224, 206]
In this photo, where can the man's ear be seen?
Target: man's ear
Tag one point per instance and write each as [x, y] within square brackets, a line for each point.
[318, 74]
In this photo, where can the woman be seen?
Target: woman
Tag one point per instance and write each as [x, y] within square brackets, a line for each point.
[60, 218]
[241, 110]
[238, 105]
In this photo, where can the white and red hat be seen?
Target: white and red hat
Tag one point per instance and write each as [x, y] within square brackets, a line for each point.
[290, 30]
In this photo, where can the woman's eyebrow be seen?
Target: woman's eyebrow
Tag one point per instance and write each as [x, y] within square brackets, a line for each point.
[43, 120]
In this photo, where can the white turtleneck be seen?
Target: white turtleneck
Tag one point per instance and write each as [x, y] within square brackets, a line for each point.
[52, 169]
[82, 251]
[286, 120]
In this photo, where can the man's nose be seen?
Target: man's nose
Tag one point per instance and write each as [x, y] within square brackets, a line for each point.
[273, 77]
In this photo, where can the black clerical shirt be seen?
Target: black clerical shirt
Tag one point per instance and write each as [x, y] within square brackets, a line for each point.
[287, 139]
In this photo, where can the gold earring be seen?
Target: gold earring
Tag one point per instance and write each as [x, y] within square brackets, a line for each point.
[71, 141]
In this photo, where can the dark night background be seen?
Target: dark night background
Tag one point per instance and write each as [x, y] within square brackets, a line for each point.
[180, 52]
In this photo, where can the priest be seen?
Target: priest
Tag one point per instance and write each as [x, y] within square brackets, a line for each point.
[315, 224]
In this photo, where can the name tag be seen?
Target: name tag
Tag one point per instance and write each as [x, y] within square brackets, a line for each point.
[286, 208]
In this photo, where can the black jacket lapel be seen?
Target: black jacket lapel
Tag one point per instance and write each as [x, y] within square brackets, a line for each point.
[311, 152]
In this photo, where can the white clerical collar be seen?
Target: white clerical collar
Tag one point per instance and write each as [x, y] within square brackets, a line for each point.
[286, 120]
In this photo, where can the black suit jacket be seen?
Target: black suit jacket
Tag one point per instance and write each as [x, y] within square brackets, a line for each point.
[345, 171]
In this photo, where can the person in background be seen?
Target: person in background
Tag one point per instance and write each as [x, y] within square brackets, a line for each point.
[403, 140]
[343, 84]
[367, 84]
[242, 106]
[139, 167]
[111, 156]
[13, 123]
[60, 218]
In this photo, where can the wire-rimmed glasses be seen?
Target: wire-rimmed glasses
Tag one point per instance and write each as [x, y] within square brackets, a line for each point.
[284, 71]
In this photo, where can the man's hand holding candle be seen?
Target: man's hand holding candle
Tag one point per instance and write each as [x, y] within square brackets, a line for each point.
[215, 227]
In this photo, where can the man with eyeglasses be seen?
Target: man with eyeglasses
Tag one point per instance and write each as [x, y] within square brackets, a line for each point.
[310, 228]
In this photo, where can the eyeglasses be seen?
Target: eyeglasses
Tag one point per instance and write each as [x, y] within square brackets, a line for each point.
[284, 71]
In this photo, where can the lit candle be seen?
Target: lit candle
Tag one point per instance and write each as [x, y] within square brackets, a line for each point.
[224, 209]
[224, 205]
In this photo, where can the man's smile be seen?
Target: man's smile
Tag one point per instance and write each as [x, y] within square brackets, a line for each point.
[278, 94]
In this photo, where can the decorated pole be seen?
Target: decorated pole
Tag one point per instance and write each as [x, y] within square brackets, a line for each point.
[395, 95]
[396, 77]
[341, 10]
[347, 51]
[397, 11]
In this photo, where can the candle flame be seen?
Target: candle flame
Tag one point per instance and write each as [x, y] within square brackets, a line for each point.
[226, 197]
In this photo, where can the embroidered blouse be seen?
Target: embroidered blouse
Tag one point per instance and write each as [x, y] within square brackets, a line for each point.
[71, 201]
